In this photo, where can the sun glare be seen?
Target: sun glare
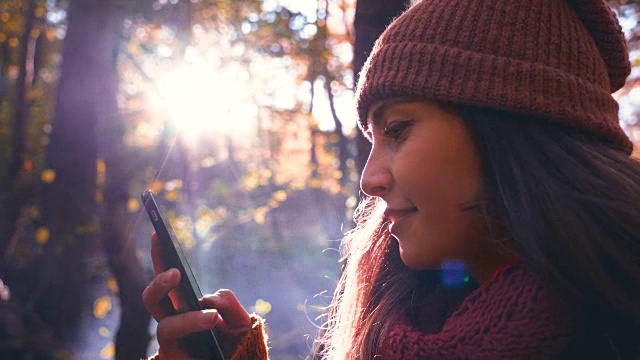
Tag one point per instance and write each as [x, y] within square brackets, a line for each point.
[200, 102]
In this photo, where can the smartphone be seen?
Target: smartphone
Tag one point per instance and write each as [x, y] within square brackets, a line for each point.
[201, 345]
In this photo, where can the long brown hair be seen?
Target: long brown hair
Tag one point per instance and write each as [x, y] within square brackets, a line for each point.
[371, 291]
[569, 202]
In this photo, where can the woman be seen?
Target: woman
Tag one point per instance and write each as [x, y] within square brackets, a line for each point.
[496, 142]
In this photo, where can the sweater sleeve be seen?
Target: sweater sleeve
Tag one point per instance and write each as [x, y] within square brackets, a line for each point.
[252, 347]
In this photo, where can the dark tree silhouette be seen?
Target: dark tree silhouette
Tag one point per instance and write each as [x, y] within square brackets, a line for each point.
[371, 18]
[85, 106]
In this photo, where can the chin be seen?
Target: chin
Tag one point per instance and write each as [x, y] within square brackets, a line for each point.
[418, 263]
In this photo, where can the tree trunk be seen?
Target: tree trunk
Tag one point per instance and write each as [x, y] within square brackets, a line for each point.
[371, 18]
[69, 204]
[13, 188]
[343, 141]
[5, 55]
[132, 337]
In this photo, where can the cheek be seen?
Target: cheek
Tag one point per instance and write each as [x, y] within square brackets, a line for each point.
[439, 188]
[442, 182]
[443, 164]
[438, 236]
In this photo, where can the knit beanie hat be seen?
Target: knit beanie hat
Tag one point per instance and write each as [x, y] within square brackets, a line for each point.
[558, 60]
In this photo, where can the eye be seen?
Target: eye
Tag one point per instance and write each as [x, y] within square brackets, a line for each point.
[397, 129]
[368, 134]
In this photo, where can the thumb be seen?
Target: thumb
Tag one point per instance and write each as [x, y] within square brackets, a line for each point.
[234, 315]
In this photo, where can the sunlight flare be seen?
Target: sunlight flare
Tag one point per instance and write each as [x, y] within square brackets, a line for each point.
[199, 101]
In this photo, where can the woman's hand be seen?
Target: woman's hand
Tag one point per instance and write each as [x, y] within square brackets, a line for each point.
[224, 313]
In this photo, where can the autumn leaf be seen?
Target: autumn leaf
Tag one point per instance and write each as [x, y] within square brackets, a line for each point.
[42, 235]
[133, 205]
[104, 332]
[108, 351]
[262, 307]
[48, 176]
[101, 307]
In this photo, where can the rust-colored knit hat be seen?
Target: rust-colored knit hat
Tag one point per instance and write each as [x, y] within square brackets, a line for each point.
[555, 59]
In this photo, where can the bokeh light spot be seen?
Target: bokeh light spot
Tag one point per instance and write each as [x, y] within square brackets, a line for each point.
[101, 307]
[42, 235]
[48, 176]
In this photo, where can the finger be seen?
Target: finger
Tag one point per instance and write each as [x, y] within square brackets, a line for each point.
[172, 328]
[158, 289]
[229, 307]
[156, 258]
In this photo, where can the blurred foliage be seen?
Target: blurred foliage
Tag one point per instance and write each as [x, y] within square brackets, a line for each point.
[226, 112]
[628, 12]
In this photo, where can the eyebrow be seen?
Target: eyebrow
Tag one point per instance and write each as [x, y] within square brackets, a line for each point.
[378, 113]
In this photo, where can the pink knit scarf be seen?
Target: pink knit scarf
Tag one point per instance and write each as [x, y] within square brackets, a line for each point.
[514, 315]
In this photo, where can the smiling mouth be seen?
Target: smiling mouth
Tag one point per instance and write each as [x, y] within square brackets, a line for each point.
[396, 214]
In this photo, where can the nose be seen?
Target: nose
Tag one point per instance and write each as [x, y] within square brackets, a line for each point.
[376, 177]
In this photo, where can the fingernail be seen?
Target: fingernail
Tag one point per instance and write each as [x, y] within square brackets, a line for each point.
[168, 276]
[209, 317]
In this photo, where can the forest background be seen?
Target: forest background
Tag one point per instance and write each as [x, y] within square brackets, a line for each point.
[237, 114]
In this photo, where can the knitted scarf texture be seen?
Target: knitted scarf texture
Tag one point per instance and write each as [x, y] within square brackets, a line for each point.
[513, 315]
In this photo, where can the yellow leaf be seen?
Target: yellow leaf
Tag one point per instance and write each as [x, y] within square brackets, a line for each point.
[101, 307]
[156, 186]
[101, 166]
[351, 202]
[208, 162]
[280, 195]
[104, 332]
[112, 285]
[297, 185]
[203, 212]
[260, 215]
[50, 33]
[108, 351]
[40, 11]
[262, 307]
[315, 183]
[172, 195]
[42, 235]
[34, 212]
[274, 203]
[133, 205]
[183, 227]
[48, 176]
[173, 185]
[203, 226]
[99, 197]
[250, 182]
[266, 173]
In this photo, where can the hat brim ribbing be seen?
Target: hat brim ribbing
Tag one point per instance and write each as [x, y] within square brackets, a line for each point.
[488, 81]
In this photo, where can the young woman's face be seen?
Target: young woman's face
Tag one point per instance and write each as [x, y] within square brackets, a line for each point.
[424, 165]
